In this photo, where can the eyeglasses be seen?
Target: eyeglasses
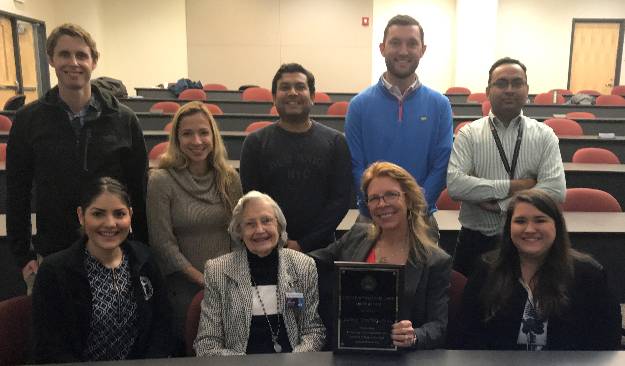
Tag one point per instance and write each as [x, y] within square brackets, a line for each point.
[388, 198]
[263, 221]
[503, 84]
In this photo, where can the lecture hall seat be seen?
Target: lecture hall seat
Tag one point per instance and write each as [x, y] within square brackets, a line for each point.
[338, 108]
[444, 202]
[454, 90]
[580, 115]
[5, 123]
[547, 98]
[214, 87]
[322, 97]
[477, 97]
[192, 322]
[257, 94]
[564, 127]
[214, 109]
[610, 100]
[618, 90]
[192, 94]
[15, 328]
[590, 200]
[158, 150]
[168, 126]
[165, 107]
[595, 155]
[257, 126]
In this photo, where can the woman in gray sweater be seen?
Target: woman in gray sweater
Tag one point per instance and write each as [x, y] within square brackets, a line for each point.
[189, 203]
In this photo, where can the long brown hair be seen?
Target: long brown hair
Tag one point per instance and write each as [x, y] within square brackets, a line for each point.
[418, 227]
[551, 281]
[217, 160]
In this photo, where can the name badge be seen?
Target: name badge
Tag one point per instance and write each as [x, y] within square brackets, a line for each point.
[295, 300]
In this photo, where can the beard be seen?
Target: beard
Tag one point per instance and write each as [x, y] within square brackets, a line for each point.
[292, 117]
[400, 74]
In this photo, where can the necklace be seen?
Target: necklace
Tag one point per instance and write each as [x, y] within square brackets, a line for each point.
[274, 336]
[387, 258]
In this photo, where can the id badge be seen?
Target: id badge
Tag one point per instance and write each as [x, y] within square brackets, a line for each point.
[295, 300]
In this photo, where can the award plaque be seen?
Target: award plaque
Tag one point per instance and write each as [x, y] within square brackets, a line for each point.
[367, 302]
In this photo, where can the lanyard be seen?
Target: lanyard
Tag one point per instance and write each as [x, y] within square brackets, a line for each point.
[515, 157]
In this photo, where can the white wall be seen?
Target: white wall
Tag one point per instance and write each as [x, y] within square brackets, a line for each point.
[476, 35]
[538, 33]
[436, 68]
[145, 41]
[141, 43]
[245, 41]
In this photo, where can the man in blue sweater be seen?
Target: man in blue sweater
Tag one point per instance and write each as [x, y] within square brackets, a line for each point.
[399, 119]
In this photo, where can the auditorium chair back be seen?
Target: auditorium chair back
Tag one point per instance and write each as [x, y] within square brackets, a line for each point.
[564, 127]
[590, 200]
[15, 325]
[454, 90]
[192, 94]
[595, 155]
[165, 107]
[338, 108]
[257, 94]
[477, 97]
[322, 97]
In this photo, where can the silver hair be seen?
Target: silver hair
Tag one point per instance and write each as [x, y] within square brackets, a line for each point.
[234, 229]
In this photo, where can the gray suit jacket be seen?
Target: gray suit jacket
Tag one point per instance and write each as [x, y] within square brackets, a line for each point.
[426, 284]
[227, 306]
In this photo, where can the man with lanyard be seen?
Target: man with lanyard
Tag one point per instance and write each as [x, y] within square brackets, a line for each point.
[497, 156]
[70, 136]
[401, 120]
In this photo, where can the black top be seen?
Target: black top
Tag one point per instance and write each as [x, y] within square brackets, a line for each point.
[308, 174]
[44, 151]
[591, 321]
[62, 306]
[264, 272]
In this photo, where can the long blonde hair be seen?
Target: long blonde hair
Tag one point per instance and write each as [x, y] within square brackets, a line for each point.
[216, 160]
[418, 227]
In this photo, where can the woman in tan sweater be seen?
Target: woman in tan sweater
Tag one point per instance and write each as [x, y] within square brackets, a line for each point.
[189, 203]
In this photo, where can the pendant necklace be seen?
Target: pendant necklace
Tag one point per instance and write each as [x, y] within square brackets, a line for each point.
[274, 336]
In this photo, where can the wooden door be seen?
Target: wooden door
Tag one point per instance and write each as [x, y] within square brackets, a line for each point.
[594, 56]
[8, 81]
[28, 61]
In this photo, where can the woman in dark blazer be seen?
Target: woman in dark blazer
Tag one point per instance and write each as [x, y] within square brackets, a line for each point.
[536, 292]
[102, 298]
[400, 234]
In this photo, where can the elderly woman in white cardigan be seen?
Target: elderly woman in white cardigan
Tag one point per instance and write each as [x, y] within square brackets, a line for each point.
[261, 298]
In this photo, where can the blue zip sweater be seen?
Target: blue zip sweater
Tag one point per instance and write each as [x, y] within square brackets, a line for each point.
[416, 134]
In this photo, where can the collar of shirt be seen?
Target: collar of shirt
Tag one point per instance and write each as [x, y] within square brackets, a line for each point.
[500, 126]
[394, 89]
[90, 111]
